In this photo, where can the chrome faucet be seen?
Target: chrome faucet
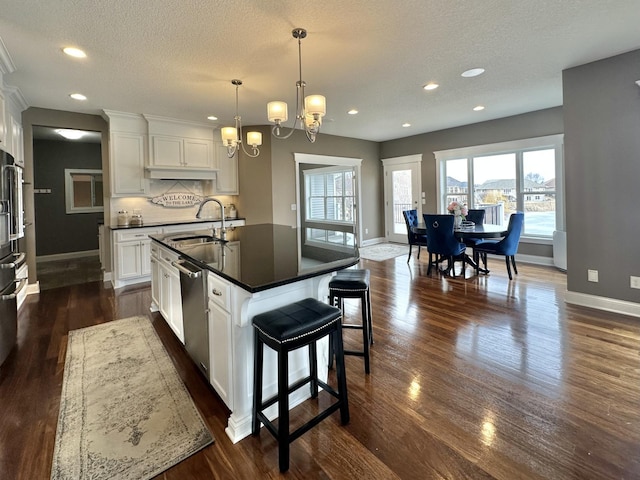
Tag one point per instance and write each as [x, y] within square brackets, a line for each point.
[223, 229]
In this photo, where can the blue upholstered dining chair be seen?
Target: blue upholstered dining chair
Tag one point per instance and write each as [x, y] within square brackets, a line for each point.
[442, 242]
[507, 246]
[411, 219]
[477, 217]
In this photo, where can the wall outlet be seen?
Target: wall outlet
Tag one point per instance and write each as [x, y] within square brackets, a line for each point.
[592, 275]
[294, 207]
[634, 282]
[366, 230]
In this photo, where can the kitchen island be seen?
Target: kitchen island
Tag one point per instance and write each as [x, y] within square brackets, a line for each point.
[256, 269]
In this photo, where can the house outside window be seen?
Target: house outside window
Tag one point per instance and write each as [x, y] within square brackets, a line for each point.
[524, 175]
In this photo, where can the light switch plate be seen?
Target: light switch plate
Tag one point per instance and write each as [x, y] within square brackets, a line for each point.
[592, 275]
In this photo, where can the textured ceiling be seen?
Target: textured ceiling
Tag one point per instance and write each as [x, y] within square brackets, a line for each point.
[177, 58]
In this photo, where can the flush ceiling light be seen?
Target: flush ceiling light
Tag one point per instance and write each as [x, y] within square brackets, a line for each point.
[212, 117]
[70, 134]
[232, 136]
[431, 86]
[353, 111]
[474, 72]
[405, 125]
[309, 110]
[78, 96]
[478, 108]
[74, 52]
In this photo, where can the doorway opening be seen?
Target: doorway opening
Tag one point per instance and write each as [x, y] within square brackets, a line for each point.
[402, 191]
[68, 208]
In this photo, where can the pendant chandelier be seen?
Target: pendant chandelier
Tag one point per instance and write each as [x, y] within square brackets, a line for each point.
[232, 136]
[309, 110]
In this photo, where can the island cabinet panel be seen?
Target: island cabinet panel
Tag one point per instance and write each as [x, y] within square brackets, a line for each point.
[165, 289]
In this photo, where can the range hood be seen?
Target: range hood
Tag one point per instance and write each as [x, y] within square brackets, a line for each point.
[180, 173]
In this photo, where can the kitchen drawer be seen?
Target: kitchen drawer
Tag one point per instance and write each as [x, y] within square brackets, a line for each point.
[167, 256]
[219, 291]
[137, 234]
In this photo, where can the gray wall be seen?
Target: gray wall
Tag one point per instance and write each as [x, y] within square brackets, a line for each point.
[56, 231]
[602, 171]
[268, 183]
[528, 125]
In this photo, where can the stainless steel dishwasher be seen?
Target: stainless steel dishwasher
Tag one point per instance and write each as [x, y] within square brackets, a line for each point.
[193, 289]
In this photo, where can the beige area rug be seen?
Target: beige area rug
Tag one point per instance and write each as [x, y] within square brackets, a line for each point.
[383, 251]
[124, 411]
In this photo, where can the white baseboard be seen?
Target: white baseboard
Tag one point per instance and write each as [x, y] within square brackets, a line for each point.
[603, 303]
[106, 276]
[67, 256]
[33, 288]
[372, 241]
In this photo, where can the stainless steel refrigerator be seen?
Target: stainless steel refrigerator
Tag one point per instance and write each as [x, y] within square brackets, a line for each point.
[11, 229]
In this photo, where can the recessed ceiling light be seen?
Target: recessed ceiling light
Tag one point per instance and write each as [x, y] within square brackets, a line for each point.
[478, 108]
[431, 86]
[211, 117]
[406, 124]
[474, 72]
[353, 111]
[70, 134]
[78, 96]
[74, 52]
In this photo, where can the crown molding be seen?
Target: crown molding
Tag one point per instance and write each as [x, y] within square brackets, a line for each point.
[15, 95]
[6, 63]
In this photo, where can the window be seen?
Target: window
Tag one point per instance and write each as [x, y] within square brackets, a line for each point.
[330, 200]
[83, 190]
[524, 175]
[330, 195]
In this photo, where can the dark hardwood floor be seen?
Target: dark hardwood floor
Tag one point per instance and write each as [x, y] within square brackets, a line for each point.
[470, 378]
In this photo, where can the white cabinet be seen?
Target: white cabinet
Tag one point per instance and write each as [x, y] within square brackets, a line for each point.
[227, 174]
[127, 164]
[220, 338]
[132, 256]
[17, 145]
[165, 288]
[3, 125]
[127, 153]
[180, 149]
[181, 152]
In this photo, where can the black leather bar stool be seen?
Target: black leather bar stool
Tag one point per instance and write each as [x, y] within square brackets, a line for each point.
[354, 283]
[285, 329]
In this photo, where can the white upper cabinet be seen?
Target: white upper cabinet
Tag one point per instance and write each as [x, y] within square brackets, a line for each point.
[227, 174]
[180, 149]
[17, 145]
[3, 124]
[127, 153]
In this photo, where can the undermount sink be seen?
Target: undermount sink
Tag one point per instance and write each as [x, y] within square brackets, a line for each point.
[185, 240]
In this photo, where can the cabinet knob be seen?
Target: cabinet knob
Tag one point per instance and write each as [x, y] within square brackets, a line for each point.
[216, 292]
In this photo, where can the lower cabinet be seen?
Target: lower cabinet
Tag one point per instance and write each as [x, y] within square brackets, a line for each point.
[132, 252]
[220, 338]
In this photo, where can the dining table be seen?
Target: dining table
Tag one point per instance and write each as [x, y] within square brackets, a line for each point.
[486, 230]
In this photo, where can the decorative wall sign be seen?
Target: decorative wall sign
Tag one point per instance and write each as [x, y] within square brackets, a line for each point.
[171, 199]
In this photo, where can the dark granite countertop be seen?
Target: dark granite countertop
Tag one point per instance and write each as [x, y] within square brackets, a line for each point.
[264, 256]
[174, 222]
